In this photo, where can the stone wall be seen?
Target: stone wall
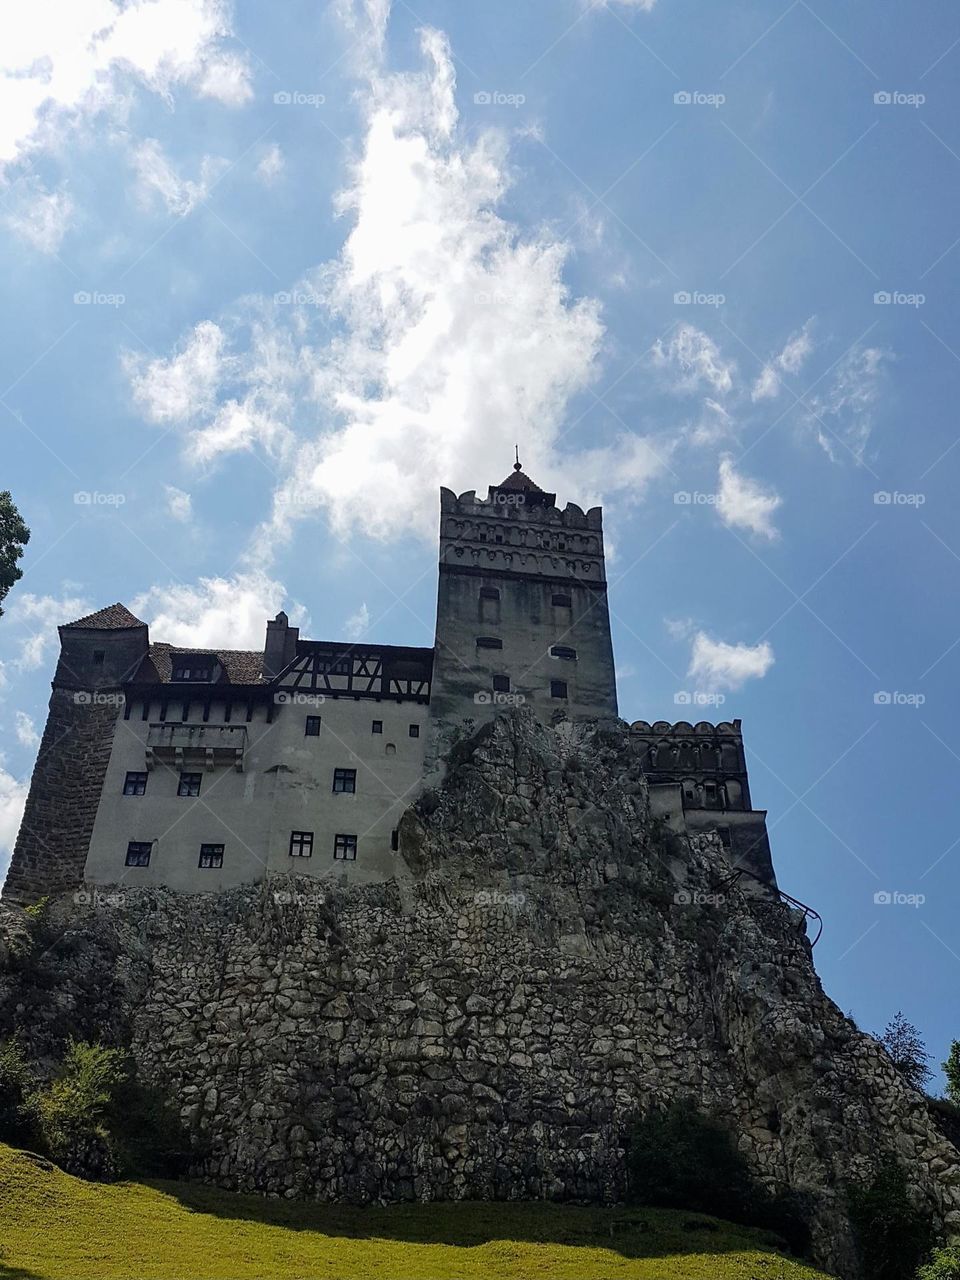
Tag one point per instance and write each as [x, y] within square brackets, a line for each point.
[551, 962]
[64, 794]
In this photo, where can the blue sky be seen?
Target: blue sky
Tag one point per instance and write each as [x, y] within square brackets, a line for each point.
[275, 273]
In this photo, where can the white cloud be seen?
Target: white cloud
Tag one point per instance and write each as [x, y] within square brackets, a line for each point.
[439, 336]
[183, 387]
[227, 612]
[842, 416]
[790, 360]
[727, 666]
[39, 216]
[156, 176]
[41, 615]
[62, 64]
[743, 504]
[679, 628]
[271, 165]
[179, 503]
[13, 798]
[695, 359]
[357, 624]
[26, 731]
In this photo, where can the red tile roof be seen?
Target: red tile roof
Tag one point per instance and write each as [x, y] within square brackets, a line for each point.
[240, 666]
[115, 617]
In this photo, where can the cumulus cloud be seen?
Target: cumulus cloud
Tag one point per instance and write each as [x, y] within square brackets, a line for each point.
[744, 504]
[436, 339]
[156, 177]
[40, 616]
[270, 165]
[226, 612]
[61, 64]
[179, 503]
[357, 624]
[26, 731]
[718, 665]
[695, 361]
[184, 386]
[790, 360]
[843, 415]
[39, 216]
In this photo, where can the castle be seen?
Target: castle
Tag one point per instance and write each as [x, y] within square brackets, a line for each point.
[201, 770]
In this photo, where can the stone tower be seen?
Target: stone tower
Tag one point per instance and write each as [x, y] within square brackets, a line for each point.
[522, 607]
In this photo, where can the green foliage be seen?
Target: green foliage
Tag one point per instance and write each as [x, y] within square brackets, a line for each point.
[951, 1069]
[946, 1116]
[14, 535]
[146, 1131]
[681, 1159]
[903, 1042]
[71, 1109]
[893, 1237]
[943, 1265]
[16, 1082]
[38, 911]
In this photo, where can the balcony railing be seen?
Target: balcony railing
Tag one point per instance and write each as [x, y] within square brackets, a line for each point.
[204, 744]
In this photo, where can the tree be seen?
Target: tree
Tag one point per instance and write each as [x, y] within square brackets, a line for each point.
[907, 1051]
[14, 535]
[951, 1069]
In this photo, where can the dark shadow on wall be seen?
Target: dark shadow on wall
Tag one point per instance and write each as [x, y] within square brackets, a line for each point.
[632, 1233]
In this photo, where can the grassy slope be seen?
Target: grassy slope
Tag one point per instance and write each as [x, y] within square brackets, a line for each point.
[55, 1227]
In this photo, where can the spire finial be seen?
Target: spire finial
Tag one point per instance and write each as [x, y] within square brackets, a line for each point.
[516, 465]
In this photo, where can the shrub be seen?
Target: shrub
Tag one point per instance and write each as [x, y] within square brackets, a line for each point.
[943, 1265]
[678, 1158]
[893, 1237]
[70, 1110]
[16, 1081]
[149, 1138]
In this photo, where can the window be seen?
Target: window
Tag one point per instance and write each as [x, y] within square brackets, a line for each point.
[563, 651]
[558, 688]
[98, 656]
[345, 848]
[311, 727]
[134, 784]
[301, 844]
[501, 684]
[489, 642]
[394, 840]
[562, 602]
[211, 857]
[724, 834]
[189, 784]
[345, 780]
[198, 667]
[377, 726]
[489, 593]
[329, 665]
[138, 853]
[414, 731]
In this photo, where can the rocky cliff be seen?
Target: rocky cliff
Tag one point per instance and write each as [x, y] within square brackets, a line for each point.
[549, 961]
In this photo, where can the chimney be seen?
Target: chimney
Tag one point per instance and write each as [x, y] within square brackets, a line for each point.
[281, 645]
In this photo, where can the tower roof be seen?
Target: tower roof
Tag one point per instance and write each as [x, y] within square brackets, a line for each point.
[517, 480]
[115, 617]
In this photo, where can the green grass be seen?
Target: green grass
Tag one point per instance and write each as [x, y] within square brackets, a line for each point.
[54, 1227]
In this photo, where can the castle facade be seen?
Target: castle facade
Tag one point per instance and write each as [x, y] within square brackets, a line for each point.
[203, 769]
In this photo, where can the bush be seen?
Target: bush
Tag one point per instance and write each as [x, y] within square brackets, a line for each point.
[16, 1081]
[893, 1237]
[71, 1109]
[149, 1139]
[944, 1265]
[680, 1159]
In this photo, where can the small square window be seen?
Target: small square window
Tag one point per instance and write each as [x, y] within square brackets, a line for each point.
[377, 726]
[138, 853]
[301, 844]
[211, 857]
[189, 784]
[345, 848]
[311, 728]
[558, 688]
[192, 668]
[135, 784]
[98, 657]
[501, 684]
[345, 781]
[563, 651]
[562, 601]
[414, 731]
[489, 642]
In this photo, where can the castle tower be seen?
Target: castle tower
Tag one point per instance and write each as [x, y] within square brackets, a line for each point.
[522, 607]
